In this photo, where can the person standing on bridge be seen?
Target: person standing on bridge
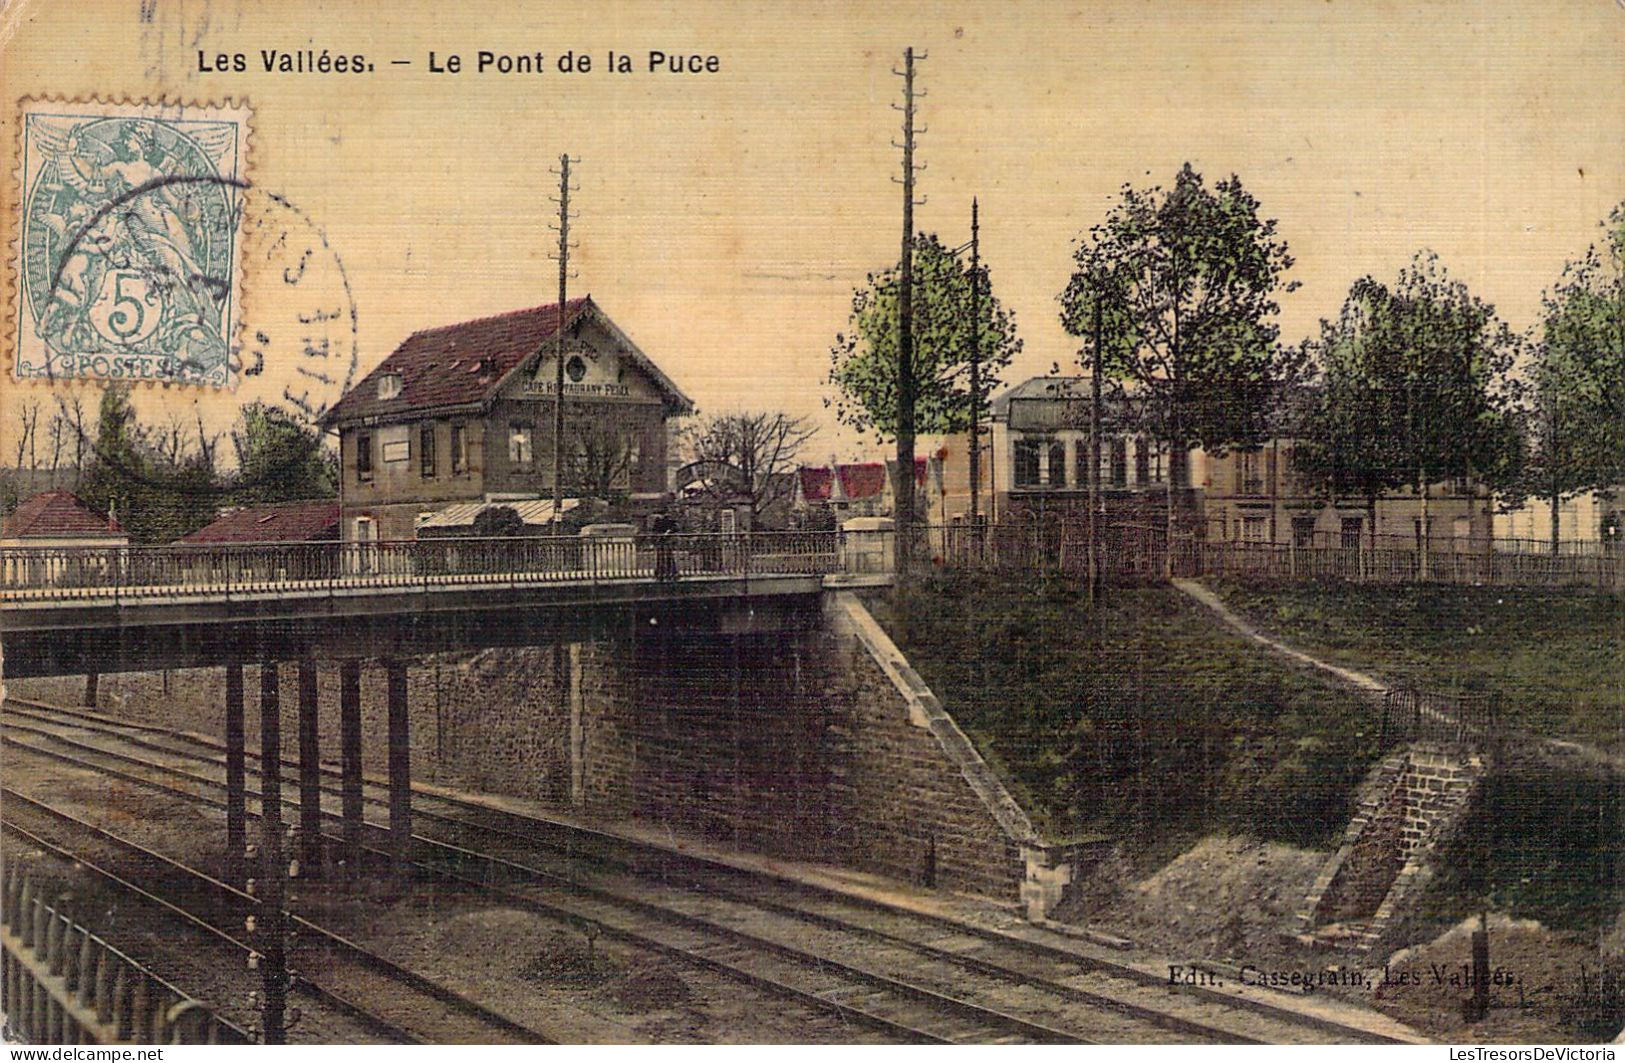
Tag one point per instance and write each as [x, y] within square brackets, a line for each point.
[663, 528]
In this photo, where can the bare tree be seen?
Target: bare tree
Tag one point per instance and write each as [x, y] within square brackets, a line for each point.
[754, 455]
[72, 412]
[28, 422]
[58, 429]
[600, 466]
[206, 441]
[169, 439]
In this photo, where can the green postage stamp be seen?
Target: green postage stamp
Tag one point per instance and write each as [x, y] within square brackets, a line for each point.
[128, 247]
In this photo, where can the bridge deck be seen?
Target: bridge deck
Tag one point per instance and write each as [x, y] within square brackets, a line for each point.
[108, 588]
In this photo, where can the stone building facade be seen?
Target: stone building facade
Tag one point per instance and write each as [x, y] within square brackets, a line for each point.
[464, 413]
[1039, 467]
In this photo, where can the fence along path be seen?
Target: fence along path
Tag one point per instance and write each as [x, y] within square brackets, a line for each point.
[1138, 553]
[1397, 559]
[63, 985]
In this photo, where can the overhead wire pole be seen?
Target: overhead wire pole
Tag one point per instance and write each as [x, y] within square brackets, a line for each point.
[905, 330]
[558, 392]
[1094, 454]
[975, 374]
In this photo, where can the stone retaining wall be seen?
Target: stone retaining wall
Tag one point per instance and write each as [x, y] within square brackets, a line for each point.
[819, 744]
[1408, 806]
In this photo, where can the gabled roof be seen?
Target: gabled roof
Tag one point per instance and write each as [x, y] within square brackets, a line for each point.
[58, 514]
[854, 481]
[464, 365]
[862, 481]
[815, 482]
[284, 522]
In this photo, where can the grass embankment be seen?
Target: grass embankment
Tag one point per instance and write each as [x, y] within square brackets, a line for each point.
[1143, 718]
[1556, 657]
[1546, 841]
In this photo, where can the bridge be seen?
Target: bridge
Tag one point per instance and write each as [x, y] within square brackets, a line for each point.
[375, 606]
[74, 610]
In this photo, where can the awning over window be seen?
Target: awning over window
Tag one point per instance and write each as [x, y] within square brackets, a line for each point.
[537, 512]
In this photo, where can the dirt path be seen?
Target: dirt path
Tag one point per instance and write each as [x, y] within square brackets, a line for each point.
[1360, 680]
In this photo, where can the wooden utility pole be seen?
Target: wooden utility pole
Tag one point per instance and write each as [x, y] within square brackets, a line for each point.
[975, 370]
[905, 335]
[1094, 455]
[273, 958]
[558, 394]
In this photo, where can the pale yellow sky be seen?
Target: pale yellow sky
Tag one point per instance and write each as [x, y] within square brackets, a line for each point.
[725, 218]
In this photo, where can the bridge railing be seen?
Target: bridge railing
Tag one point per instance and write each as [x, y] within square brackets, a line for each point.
[136, 572]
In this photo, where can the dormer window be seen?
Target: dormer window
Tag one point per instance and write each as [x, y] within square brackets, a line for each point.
[389, 386]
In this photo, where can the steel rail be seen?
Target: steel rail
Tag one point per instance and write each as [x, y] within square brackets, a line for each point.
[308, 988]
[639, 936]
[366, 958]
[641, 940]
[1127, 1009]
[703, 873]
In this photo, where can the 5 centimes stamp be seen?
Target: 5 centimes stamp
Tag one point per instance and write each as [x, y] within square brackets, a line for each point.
[129, 240]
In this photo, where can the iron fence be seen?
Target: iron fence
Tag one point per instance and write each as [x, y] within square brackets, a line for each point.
[178, 571]
[1124, 552]
[64, 985]
[1411, 715]
[1396, 559]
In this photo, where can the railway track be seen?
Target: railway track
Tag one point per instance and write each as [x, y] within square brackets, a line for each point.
[399, 1003]
[214, 945]
[786, 937]
[897, 1008]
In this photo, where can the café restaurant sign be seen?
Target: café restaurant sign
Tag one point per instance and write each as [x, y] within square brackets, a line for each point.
[587, 375]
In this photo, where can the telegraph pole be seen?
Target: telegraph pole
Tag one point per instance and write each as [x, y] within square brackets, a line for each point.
[975, 371]
[273, 958]
[1094, 457]
[558, 393]
[905, 333]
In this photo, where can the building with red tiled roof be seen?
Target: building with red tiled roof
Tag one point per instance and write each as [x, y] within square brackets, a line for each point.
[59, 518]
[464, 413]
[853, 488]
[283, 522]
[814, 483]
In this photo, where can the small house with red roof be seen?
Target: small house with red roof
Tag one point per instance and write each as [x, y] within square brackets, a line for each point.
[283, 522]
[463, 414]
[60, 518]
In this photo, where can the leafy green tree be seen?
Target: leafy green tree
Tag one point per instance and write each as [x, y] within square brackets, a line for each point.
[1347, 440]
[1416, 388]
[863, 361]
[157, 493]
[1186, 280]
[1576, 379]
[280, 458]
